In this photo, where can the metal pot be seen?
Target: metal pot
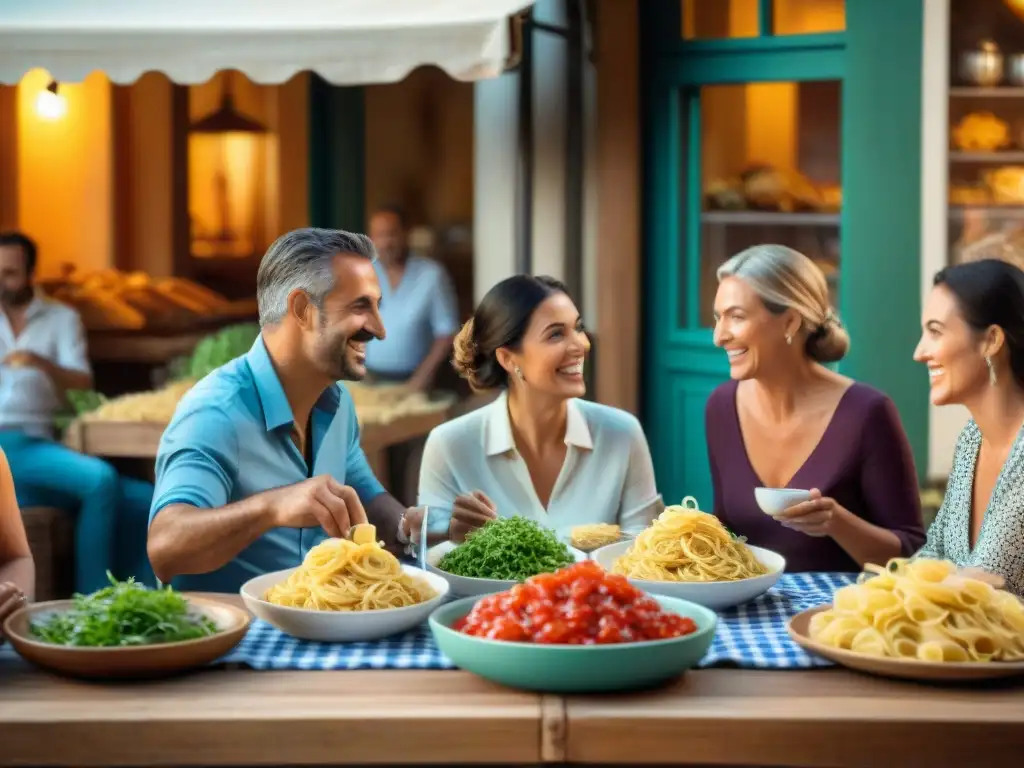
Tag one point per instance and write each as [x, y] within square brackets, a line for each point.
[983, 67]
[1015, 69]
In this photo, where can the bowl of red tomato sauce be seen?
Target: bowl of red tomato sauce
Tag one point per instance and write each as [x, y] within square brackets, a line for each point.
[577, 630]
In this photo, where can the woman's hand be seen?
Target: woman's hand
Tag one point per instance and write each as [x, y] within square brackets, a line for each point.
[469, 512]
[813, 517]
[11, 599]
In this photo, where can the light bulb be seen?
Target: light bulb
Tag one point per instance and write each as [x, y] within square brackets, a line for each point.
[50, 105]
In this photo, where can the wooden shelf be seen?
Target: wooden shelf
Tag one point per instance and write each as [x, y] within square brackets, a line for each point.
[770, 218]
[958, 212]
[975, 92]
[1012, 156]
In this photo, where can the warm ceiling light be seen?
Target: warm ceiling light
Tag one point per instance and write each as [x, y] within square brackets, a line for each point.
[51, 105]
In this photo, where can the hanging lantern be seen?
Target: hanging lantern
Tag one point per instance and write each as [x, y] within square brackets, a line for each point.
[227, 164]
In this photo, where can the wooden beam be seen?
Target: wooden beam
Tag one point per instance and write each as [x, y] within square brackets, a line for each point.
[8, 157]
[617, 53]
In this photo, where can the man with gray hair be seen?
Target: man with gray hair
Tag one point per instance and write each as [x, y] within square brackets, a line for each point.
[262, 459]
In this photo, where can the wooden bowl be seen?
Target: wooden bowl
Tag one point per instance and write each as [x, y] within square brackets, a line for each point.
[137, 661]
[906, 669]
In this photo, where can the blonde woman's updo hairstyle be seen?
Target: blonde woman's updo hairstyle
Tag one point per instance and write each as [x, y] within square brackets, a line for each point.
[786, 279]
[500, 320]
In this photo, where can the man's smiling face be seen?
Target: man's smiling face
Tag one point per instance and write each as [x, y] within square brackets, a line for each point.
[348, 319]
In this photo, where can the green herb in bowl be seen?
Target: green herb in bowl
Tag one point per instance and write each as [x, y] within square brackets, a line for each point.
[124, 614]
[507, 549]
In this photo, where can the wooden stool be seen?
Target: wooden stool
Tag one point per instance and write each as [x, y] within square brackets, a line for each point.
[51, 534]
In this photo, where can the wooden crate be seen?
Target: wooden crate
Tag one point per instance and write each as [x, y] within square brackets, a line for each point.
[139, 439]
[115, 439]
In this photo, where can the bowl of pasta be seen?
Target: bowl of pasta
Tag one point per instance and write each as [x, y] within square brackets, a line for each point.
[499, 555]
[689, 554]
[345, 591]
[918, 619]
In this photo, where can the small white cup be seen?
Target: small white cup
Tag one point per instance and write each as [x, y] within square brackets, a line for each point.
[774, 501]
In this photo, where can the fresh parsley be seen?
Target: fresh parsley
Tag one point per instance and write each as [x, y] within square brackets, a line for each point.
[510, 549]
[124, 614]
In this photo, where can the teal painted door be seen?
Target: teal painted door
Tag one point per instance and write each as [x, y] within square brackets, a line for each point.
[697, 95]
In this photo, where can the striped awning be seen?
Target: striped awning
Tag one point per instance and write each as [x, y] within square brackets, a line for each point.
[346, 42]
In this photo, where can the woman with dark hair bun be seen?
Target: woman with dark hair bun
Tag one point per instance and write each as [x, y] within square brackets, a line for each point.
[973, 344]
[538, 450]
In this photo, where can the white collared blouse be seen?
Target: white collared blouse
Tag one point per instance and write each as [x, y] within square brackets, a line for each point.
[607, 477]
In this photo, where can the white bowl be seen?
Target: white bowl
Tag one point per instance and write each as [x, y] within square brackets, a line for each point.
[467, 586]
[774, 501]
[340, 626]
[715, 595]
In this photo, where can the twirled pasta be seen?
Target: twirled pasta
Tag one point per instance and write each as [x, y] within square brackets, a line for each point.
[594, 536]
[685, 544]
[341, 575]
[923, 609]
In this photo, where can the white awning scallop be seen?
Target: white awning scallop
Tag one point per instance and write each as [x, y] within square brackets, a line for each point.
[347, 42]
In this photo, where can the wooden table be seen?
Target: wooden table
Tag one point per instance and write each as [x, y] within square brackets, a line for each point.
[236, 717]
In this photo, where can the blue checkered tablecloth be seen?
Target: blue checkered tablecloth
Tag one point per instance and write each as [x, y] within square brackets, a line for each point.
[750, 636]
[753, 635]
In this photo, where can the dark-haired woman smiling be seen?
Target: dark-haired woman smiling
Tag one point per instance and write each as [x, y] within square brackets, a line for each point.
[973, 344]
[537, 451]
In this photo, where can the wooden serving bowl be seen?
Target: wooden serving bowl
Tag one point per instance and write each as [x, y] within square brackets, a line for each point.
[127, 662]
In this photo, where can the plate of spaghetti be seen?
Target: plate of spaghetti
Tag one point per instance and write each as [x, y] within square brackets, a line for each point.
[689, 554]
[918, 619]
[345, 590]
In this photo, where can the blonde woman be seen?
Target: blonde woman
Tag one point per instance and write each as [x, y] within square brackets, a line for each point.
[787, 421]
[17, 574]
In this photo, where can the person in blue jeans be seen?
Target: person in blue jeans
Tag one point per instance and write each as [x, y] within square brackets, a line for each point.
[42, 356]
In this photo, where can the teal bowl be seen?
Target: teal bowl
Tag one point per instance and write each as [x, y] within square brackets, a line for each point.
[575, 668]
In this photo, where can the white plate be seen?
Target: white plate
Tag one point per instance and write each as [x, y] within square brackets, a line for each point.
[466, 586]
[339, 626]
[711, 594]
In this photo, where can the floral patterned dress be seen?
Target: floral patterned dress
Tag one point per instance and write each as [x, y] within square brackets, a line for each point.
[1000, 545]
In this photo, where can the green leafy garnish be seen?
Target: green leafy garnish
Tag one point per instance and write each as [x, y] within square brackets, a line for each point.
[123, 614]
[510, 549]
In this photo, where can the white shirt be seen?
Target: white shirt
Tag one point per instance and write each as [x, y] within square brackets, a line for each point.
[28, 398]
[607, 477]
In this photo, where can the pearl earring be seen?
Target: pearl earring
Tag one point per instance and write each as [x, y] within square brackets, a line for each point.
[991, 371]
[789, 339]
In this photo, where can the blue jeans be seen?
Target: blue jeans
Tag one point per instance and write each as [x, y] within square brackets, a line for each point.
[112, 511]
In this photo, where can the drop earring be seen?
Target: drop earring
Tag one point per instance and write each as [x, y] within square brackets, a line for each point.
[789, 339]
[991, 371]
[519, 373]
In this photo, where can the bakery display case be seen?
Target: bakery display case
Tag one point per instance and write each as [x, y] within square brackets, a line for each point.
[986, 130]
[770, 173]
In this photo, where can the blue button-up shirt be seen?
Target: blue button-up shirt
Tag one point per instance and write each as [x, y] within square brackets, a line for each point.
[230, 439]
[420, 309]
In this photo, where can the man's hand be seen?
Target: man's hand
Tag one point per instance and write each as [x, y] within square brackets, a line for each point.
[11, 600]
[22, 358]
[322, 501]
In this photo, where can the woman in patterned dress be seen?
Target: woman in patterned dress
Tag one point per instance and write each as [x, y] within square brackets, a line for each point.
[973, 344]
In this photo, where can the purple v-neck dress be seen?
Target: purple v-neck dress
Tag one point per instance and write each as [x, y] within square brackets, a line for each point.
[863, 461]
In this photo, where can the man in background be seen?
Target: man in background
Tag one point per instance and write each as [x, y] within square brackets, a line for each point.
[420, 311]
[418, 308]
[42, 356]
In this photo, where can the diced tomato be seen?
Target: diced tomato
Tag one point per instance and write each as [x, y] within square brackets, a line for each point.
[578, 605]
